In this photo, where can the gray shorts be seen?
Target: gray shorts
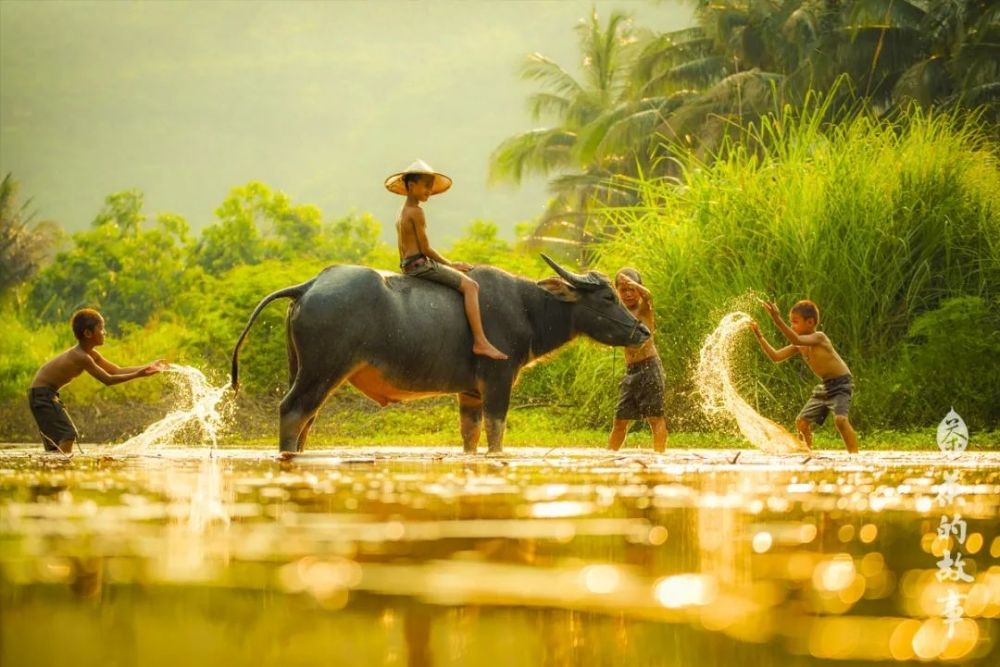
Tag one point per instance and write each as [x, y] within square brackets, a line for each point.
[51, 416]
[833, 394]
[427, 269]
[641, 391]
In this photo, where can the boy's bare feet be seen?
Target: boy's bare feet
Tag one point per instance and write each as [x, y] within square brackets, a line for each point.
[487, 350]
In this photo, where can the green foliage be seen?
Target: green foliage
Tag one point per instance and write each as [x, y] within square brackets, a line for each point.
[876, 222]
[25, 348]
[646, 98]
[947, 360]
[256, 224]
[24, 243]
[218, 311]
[480, 245]
[119, 266]
[354, 239]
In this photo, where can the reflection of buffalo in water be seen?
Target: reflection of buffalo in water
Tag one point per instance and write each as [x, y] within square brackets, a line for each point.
[397, 338]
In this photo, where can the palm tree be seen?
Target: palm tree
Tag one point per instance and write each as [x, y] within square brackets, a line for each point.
[573, 104]
[953, 48]
[750, 57]
[24, 243]
[647, 97]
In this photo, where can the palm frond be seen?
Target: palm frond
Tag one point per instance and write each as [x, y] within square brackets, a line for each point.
[547, 72]
[924, 83]
[627, 128]
[538, 151]
[548, 104]
[986, 94]
[586, 185]
[801, 27]
[666, 52]
[894, 12]
[696, 73]
[977, 63]
[603, 48]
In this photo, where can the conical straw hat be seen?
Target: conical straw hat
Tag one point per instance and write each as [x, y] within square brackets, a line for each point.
[395, 182]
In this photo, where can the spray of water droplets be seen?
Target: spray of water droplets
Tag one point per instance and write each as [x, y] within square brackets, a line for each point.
[720, 398]
[199, 409]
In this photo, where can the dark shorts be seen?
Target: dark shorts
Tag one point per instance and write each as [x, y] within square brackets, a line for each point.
[640, 394]
[427, 269]
[51, 416]
[833, 394]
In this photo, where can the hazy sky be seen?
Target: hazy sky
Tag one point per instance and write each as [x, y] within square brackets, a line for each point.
[322, 100]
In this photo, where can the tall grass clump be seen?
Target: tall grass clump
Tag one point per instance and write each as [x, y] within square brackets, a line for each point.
[892, 227]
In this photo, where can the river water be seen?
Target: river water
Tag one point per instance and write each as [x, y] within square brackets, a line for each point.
[423, 556]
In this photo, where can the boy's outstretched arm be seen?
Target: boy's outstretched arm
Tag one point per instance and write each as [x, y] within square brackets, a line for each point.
[108, 379]
[114, 369]
[777, 356]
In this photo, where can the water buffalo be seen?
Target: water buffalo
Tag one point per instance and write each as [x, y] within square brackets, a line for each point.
[398, 338]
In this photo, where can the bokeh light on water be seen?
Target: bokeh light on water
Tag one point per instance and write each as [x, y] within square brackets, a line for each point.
[423, 556]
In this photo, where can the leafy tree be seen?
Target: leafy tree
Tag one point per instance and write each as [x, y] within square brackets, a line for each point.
[256, 223]
[119, 266]
[746, 58]
[951, 50]
[353, 239]
[24, 243]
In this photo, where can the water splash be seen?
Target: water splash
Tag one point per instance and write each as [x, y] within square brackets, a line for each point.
[720, 398]
[201, 401]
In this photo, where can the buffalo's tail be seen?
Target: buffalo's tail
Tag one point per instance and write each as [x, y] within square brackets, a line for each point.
[293, 293]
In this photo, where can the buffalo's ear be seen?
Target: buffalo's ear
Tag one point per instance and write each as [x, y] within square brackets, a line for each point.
[558, 288]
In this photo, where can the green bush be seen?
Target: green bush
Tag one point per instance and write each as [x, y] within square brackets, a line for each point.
[26, 348]
[881, 224]
[947, 360]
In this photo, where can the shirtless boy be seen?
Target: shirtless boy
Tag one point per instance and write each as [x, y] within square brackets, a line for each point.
[834, 393]
[57, 429]
[418, 259]
[641, 390]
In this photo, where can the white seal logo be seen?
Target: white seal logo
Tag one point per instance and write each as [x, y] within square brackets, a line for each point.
[952, 434]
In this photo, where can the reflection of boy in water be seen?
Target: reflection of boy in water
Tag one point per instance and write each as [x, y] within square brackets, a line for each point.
[834, 393]
[418, 259]
[641, 390]
[58, 431]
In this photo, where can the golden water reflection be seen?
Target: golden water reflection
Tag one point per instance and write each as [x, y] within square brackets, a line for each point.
[421, 556]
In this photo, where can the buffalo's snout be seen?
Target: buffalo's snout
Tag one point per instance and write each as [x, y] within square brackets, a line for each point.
[640, 335]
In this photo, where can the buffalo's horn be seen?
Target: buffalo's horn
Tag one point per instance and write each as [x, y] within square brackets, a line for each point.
[573, 279]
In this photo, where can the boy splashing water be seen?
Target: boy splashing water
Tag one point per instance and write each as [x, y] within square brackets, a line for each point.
[57, 429]
[837, 387]
[418, 259]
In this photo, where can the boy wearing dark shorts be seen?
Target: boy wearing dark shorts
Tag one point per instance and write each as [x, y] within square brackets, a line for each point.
[835, 391]
[418, 259]
[54, 423]
[641, 390]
